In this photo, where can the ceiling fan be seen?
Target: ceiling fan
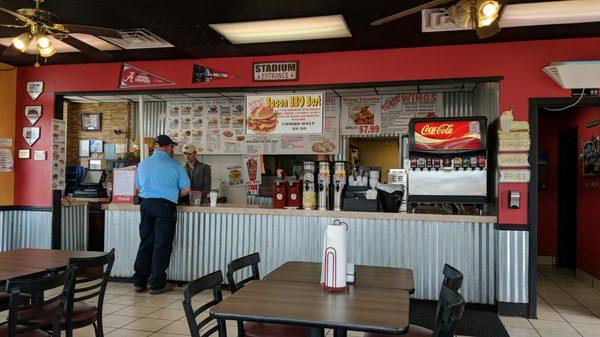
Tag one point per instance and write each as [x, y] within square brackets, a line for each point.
[39, 25]
[481, 15]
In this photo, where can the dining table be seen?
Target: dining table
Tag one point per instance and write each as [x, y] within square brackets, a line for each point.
[292, 294]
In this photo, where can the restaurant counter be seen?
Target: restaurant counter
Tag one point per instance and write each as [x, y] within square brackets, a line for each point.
[493, 261]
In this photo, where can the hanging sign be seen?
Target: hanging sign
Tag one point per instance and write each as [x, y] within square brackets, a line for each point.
[31, 134]
[35, 89]
[133, 77]
[513, 160]
[251, 171]
[33, 113]
[275, 71]
[234, 175]
[280, 114]
[361, 115]
[514, 176]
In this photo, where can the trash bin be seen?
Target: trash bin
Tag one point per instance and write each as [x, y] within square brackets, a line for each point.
[390, 197]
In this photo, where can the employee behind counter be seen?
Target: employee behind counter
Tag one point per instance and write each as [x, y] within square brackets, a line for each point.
[198, 172]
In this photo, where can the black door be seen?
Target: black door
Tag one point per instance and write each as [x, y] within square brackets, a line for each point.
[567, 199]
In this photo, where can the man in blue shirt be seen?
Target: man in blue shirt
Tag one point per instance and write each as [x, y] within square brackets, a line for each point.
[161, 180]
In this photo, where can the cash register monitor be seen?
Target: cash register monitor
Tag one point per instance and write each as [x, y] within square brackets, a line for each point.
[93, 177]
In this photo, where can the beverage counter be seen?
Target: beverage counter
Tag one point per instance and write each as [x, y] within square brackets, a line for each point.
[494, 262]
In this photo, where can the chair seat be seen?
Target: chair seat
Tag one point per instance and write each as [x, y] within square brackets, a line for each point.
[254, 329]
[82, 312]
[413, 331]
[32, 333]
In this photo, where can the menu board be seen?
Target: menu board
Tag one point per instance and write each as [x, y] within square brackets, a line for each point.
[282, 114]
[361, 115]
[59, 153]
[218, 127]
[387, 114]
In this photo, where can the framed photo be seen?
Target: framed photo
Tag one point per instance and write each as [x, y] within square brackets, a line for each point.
[33, 113]
[91, 122]
[84, 148]
[24, 153]
[96, 146]
[95, 164]
[39, 155]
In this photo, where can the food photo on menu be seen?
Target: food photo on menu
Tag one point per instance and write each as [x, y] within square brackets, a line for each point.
[361, 115]
[262, 120]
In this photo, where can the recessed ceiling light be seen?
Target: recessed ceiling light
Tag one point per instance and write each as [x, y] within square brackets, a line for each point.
[311, 28]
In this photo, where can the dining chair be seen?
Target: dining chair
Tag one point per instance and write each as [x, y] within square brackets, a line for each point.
[453, 278]
[452, 304]
[91, 280]
[254, 329]
[213, 282]
[35, 319]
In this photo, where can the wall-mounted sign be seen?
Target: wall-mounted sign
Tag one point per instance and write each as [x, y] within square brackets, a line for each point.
[132, 77]
[33, 113]
[91, 122]
[514, 176]
[251, 171]
[6, 142]
[281, 114]
[206, 74]
[59, 154]
[234, 175]
[590, 156]
[6, 160]
[24, 154]
[39, 155]
[35, 89]
[361, 115]
[275, 71]
[31, 134]
[513, 160]
[514, 144]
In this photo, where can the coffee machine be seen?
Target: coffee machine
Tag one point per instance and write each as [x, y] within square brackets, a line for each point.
[309, 195]
[324, 185]
[339, 183]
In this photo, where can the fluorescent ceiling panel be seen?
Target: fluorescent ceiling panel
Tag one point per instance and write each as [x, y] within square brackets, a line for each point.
[551, 13]
[310, 28]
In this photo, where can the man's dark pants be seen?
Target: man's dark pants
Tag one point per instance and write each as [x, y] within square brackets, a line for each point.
[157, 231]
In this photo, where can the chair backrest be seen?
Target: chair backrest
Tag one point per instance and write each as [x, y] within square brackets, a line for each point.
[38, 315]
[453, 278]
[211, 281]
[452, 305]
[91, 279]
[251, 260]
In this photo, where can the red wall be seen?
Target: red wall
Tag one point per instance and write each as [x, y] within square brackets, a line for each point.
[588, 198]
[520, 63]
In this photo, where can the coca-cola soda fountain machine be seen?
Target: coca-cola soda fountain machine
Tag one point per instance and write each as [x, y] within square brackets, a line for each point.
[448, 160]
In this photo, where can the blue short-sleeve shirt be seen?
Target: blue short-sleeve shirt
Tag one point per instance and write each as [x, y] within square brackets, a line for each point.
[161, 176]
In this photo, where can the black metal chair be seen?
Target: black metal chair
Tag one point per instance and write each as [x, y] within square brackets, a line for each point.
[33, 319]
[254, 329]
[211, 281]
[453, 278]
[91, 280]
[452, 304]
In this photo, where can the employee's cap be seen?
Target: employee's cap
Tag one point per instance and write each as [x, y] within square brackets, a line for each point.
[164, 140]
[188, 148]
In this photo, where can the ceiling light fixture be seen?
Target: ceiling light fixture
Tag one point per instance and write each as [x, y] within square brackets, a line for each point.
[487, 12]
[309, 28]
[22, 42]
[42, 41]
[47, 52]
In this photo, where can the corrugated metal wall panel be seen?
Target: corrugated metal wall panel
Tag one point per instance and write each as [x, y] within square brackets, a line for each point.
[206, 242]
[513, 266]
[155, 113]
[252, 199]
[25, 229]
[458, 104]
[74, 227]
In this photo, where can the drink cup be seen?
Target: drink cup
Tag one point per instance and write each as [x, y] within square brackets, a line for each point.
[213, 199]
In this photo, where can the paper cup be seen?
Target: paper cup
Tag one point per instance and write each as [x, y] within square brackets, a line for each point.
[213, 199]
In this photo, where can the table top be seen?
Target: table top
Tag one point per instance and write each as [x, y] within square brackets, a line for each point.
[23, 262]
[365, 276]
[367, 309]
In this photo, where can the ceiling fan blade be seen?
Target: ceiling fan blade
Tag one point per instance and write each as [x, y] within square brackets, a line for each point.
[11, 51]
[407, 12]
[17, 15]
[87, 49]
[97, 31]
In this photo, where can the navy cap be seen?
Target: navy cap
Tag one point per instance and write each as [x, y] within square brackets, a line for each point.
[164, 140]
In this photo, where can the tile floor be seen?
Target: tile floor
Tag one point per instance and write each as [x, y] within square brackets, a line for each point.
[566, 307]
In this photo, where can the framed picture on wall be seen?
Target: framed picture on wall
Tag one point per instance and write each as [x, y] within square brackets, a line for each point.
[590, 156]
[91, 122]
[84, 148]
[96, 146]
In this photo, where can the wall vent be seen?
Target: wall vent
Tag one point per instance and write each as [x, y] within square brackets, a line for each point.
[437, 20]
[139, 38]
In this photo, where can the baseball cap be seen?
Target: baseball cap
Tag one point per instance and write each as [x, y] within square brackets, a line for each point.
[164, 140]
[188, 148]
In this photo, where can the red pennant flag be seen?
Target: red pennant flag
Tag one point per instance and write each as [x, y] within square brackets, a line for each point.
[132, 77]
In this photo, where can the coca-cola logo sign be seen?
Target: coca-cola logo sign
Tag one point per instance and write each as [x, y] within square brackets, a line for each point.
[442, 129]
[446, 135]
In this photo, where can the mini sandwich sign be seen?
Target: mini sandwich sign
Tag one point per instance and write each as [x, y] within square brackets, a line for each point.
[275, 71]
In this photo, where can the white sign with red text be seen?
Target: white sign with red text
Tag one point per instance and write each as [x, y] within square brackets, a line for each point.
[360, 115]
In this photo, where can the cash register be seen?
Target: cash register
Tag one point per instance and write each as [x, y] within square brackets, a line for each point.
[91, 185]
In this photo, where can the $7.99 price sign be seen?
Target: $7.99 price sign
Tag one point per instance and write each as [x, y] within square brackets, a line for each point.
[368, 129]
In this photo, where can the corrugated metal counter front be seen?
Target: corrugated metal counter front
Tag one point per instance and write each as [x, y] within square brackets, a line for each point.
[208, 238]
